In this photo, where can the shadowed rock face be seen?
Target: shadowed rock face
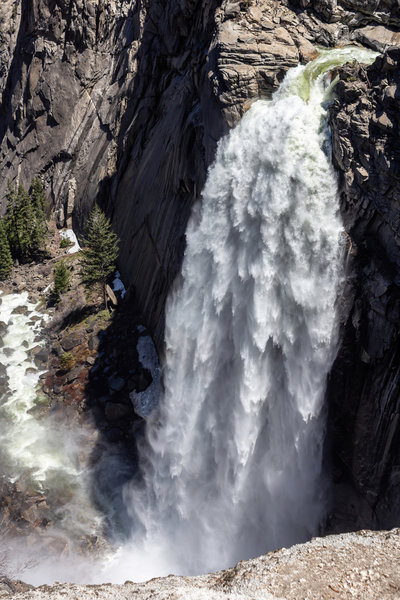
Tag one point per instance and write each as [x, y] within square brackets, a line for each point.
[123, 103]
[365, 381]
[64, 94]
[198, 70]
[356, 12]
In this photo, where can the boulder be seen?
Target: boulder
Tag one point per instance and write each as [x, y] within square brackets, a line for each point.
[20, 310]
[116, 383]
[140, 381]
[41, 356]
[378, 38]
[71, 340]
[115, 411]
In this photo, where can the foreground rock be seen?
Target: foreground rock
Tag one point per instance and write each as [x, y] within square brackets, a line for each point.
[362, 566]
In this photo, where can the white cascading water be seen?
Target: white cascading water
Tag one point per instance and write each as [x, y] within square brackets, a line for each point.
[232, 462]
[232, 465]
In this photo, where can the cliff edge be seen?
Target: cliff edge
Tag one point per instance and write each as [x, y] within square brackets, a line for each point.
[362, 566]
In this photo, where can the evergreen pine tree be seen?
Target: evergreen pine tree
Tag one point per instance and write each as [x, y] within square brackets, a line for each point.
[61, 279]
[19, 221]
[25, 219]
[6, 261]
[100, 252]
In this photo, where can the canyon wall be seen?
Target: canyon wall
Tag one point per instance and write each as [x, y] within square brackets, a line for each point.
[356, 12]
[123, 102]
[365, 381]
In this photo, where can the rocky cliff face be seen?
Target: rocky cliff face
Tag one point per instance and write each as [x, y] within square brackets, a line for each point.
[123, 102]
[64, 94]
[356, 12]
[365, 381]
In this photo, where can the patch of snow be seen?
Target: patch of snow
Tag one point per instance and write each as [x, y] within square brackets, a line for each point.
[68, 234]
[145, 402]
[118, 286]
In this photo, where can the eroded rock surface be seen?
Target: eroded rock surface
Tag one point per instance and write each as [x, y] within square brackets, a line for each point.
[356, 12]
[123, 102]
[365, 382]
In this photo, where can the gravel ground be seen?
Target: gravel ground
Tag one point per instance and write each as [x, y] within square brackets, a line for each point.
[363, 565]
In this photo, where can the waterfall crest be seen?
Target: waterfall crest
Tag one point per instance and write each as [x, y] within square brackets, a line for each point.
[232, 465]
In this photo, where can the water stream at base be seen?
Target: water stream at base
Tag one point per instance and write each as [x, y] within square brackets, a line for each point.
[231, 466]
[46, 455]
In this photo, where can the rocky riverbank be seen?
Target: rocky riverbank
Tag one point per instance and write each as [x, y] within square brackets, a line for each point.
[83, 367]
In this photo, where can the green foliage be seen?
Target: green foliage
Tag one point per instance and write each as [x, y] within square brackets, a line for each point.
[6, 261]
[65, 243]
[61, 280]
[67, 361]
[98, 257]
[19, 220]
[25, 219]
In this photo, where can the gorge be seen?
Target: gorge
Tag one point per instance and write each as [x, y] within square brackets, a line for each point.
[145, 91]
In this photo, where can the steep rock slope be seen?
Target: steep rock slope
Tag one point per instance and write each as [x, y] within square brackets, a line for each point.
[365, 381]
[64, 94]
[207, 63]
[124, 101]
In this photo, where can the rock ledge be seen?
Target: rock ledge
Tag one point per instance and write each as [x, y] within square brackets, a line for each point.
[362, 565]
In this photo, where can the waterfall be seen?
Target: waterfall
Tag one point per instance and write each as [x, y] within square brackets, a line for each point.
[232, 466]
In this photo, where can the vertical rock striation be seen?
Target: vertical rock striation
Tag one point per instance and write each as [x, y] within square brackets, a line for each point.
[64, 94]
[365, 381]
[123, 102]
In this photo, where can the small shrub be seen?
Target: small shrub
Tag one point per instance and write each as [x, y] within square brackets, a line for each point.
[65, 243]
[67, 361]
